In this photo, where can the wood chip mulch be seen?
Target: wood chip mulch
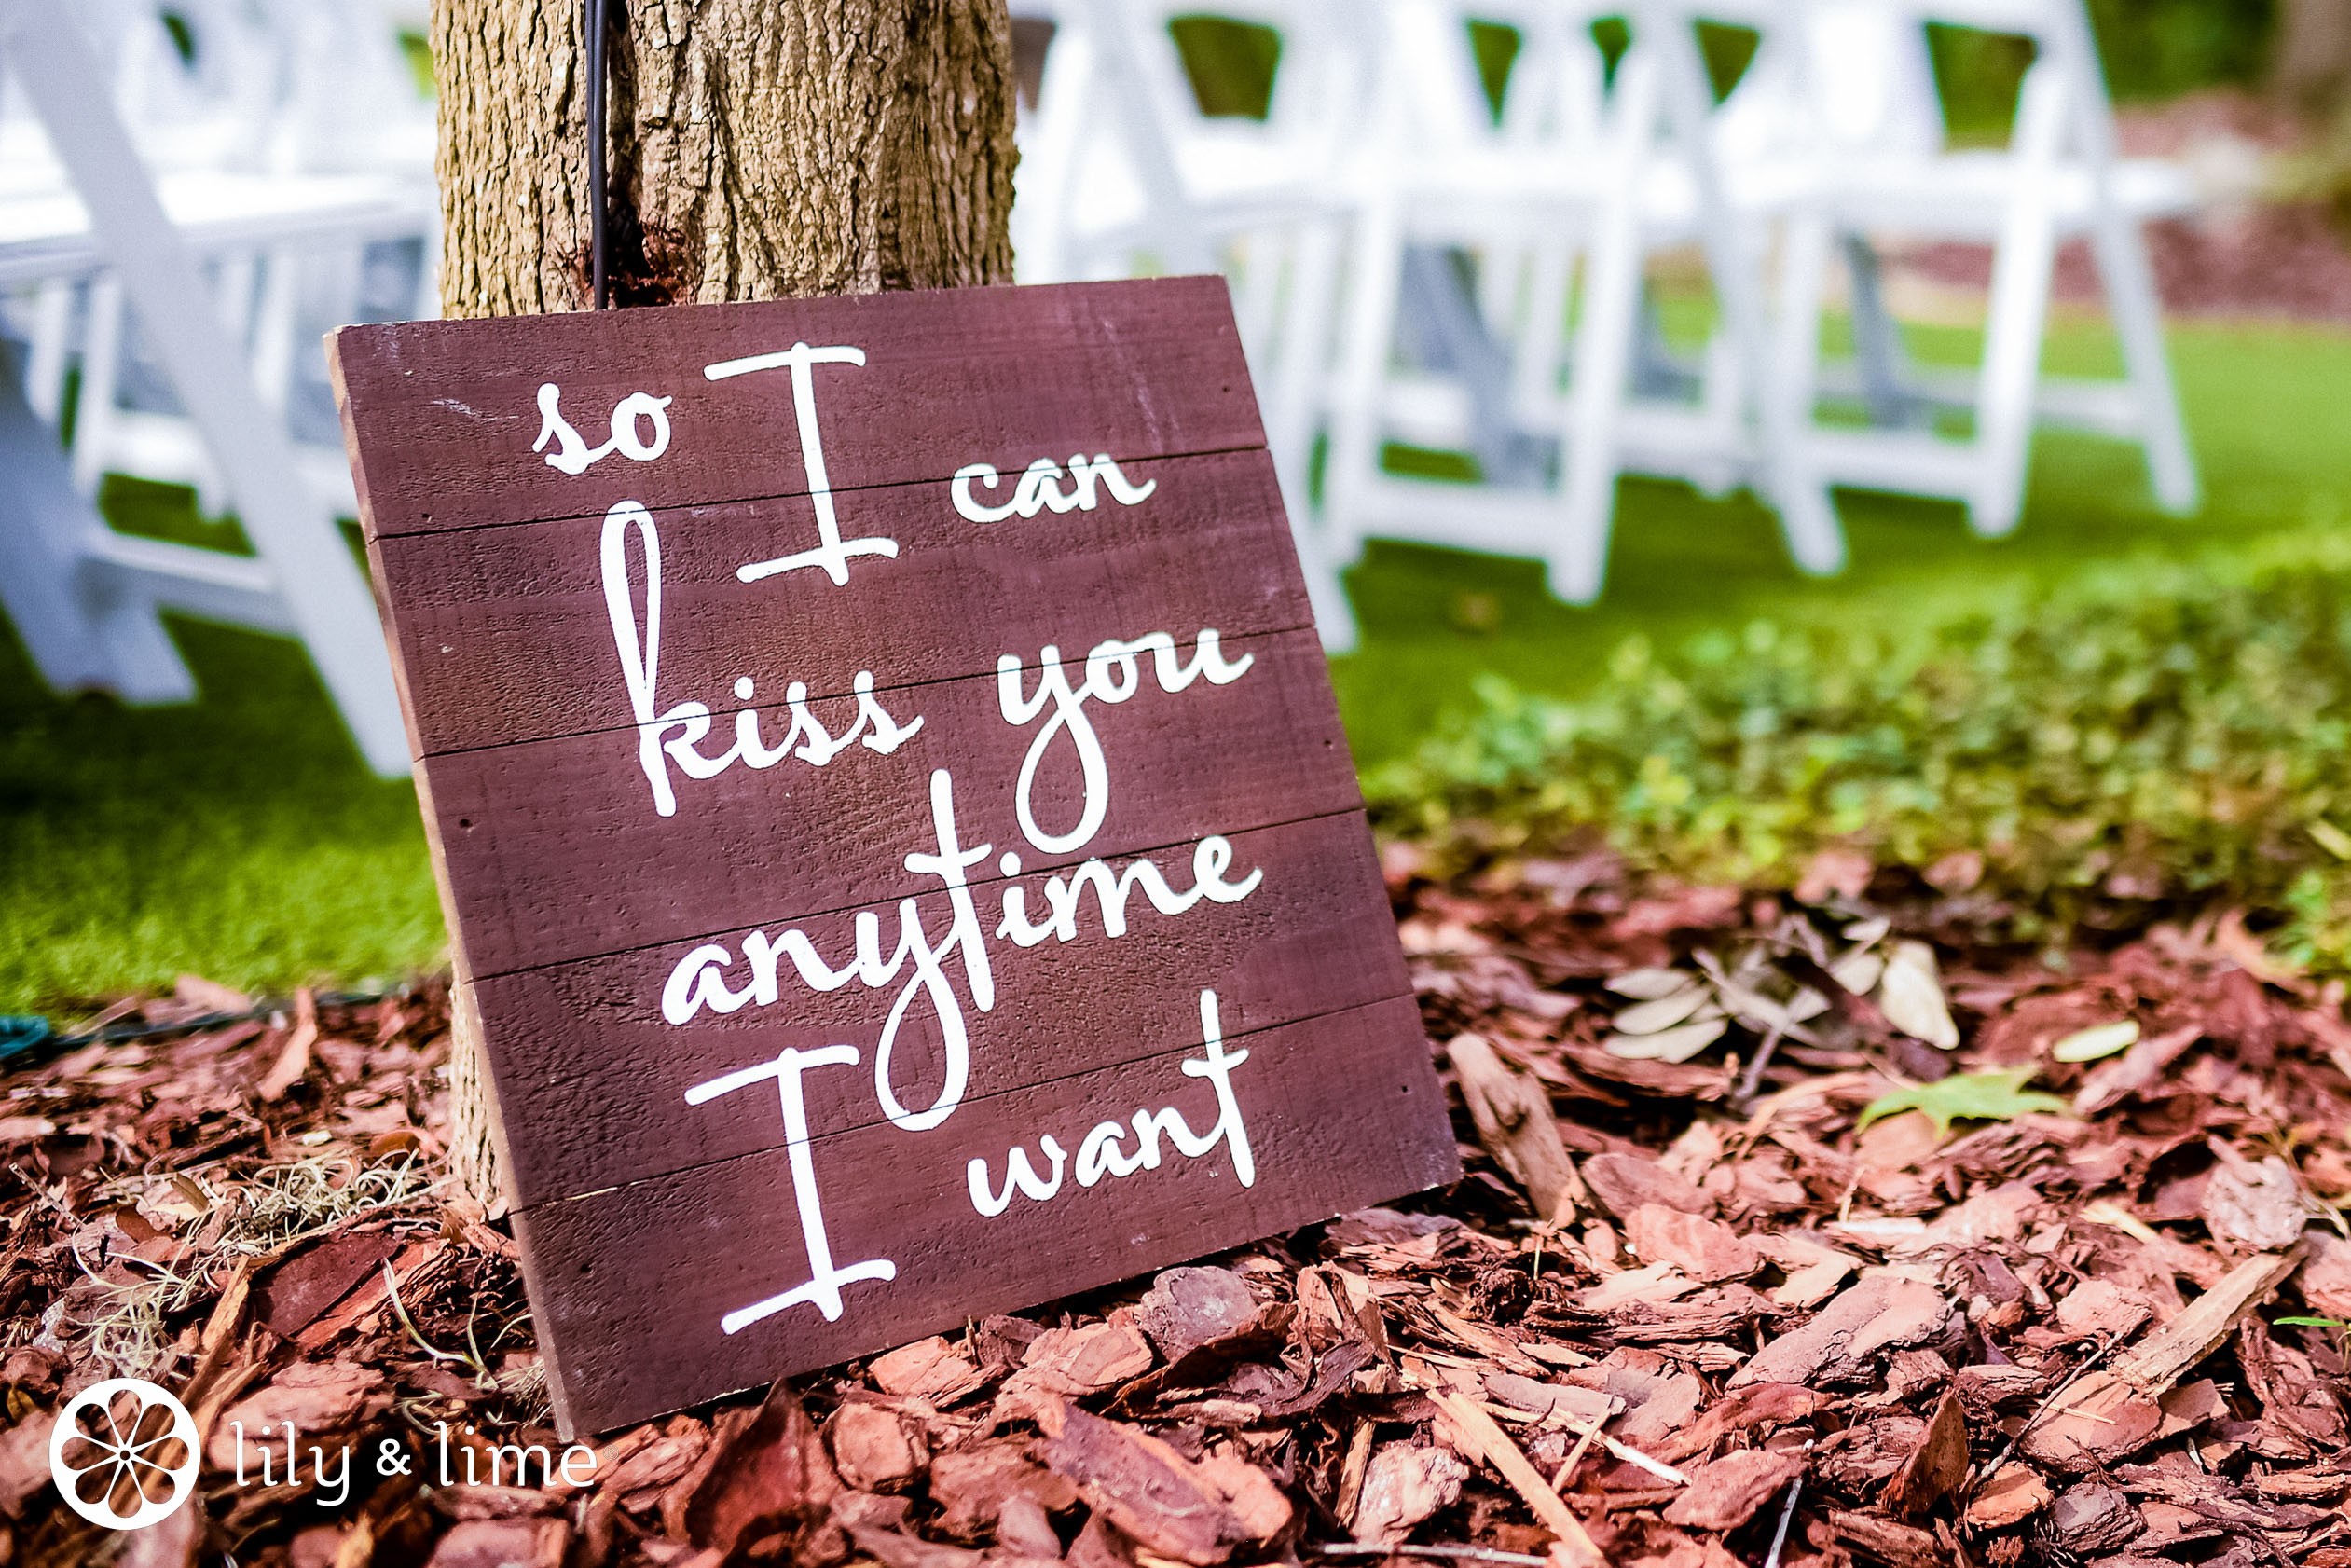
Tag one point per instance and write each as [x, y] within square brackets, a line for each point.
[1742, 1330]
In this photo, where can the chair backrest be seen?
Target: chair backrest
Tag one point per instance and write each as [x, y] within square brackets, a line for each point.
[1834, 77]
[1318, 75]
[346, 97]
[1828, 76]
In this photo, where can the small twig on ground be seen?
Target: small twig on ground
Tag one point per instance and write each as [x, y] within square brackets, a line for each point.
[1588, 1434]
[1751, 1081]
[1787, 1516]
[1448, 1553]
[1990, 1468]
[1632, 1455]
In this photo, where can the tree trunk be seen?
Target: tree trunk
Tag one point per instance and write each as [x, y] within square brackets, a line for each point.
[755, 149]
[759, 148]
[2310, 53]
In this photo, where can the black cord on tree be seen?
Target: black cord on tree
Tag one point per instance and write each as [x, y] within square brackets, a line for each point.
[593, 21]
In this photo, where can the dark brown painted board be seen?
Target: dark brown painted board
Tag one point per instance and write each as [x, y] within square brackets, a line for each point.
[608, 950]
[1001, 375]
[645, 1276]
[510, 635]
[555, 851]
[605, 1101]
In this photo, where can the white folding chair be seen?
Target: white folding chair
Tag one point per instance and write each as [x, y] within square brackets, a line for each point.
[1122, 173]
[320, 149]
[1569, 173]
[105, 225]
[1837, 133]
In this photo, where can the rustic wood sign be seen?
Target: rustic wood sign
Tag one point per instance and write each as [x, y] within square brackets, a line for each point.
[890, 811]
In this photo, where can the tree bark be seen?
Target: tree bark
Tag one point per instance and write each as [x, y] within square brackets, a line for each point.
[2310, 53]
[756, 149]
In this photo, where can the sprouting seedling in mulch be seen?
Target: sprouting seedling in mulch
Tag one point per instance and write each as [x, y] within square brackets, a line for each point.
[527, 1385]
[1993, 1096]
[2336, 1326]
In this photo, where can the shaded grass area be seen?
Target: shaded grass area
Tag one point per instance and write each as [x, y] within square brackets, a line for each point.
[241, 837]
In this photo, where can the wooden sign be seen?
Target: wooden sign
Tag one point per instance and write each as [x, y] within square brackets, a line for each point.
[894, 825]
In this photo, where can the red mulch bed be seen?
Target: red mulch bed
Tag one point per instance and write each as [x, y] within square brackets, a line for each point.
[2055, 1337]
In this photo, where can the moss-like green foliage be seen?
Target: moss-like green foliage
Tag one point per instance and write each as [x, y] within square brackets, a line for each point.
[2153, 732]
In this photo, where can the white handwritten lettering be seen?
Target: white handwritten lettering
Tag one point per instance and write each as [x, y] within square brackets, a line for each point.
[698, 980]
[673, 737]
[573, 454]
[1101, 1154]
[1212, 857]
[823, 1288]
[1018, 1173]
[1039, 489]
[710, 979]
[1112, 676]
[832, 554]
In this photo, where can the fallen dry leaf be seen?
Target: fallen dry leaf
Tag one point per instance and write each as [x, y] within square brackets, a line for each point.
[1937, 1469]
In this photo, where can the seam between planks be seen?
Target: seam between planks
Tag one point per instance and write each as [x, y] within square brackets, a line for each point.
[373, 533]
[819, 1140]
[478, 976]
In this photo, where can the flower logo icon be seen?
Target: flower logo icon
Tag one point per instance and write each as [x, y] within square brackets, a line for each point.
[124, 1453]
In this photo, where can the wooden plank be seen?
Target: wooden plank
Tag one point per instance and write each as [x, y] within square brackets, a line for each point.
[595, 1100]
[656, 934]
[510, 630]
[634, 1284]
[554, 849]
[446, 413]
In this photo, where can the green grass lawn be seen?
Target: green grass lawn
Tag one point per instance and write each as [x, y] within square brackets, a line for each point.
[241, 838]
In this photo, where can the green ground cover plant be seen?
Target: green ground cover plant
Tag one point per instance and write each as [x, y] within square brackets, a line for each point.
[2152, 732]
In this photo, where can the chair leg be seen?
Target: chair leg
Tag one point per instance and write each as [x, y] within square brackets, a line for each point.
[2130, 293]
[1601, 370]
[1802, 499]
[82, 635]
[1293, 406]
[1367, 341]
[94, 400]
[1795, 328]
[1535, 369]
[2013, 334]
[45, 366]
[1253, 261]
[1878, 351]
[1808, 517]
